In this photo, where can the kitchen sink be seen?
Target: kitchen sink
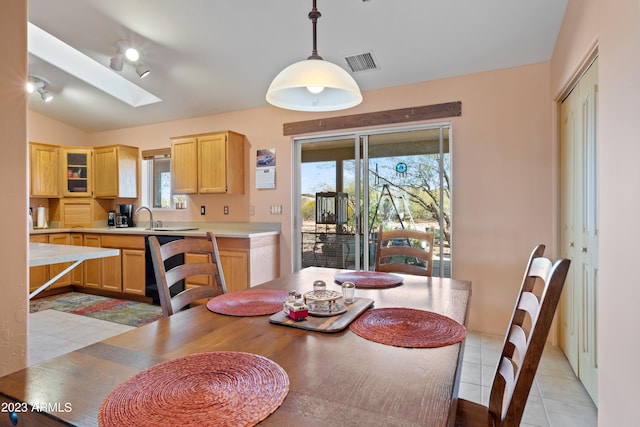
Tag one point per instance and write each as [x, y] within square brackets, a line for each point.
[172, 228]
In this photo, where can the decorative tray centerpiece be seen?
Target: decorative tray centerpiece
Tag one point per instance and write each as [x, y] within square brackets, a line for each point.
[324, 303]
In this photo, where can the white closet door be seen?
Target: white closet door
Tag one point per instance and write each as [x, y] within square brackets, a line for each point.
[579, 228]
[568, 311]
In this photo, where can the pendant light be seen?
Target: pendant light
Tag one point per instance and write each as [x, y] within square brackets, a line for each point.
[314, 84]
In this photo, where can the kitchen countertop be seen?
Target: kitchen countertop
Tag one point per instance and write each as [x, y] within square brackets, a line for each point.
[242, 230]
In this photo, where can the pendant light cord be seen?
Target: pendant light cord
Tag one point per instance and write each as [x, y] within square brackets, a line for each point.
[314, 15]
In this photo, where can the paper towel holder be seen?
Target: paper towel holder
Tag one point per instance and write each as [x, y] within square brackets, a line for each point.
[41, 218]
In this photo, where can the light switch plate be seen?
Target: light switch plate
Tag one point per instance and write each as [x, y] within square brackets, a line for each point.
[276, 210]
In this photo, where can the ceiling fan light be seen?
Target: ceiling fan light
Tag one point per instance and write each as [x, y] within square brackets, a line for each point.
[289, 89]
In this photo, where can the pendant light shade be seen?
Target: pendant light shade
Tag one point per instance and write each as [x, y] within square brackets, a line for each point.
[314, 84]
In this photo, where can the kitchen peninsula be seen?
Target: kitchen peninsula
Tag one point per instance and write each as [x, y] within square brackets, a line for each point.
[250, 255]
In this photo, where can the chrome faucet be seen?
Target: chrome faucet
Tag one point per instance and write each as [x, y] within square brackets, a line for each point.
[150, 216]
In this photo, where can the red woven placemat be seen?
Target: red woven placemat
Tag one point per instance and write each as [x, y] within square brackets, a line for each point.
[249, 302]
[408, 327]
[218, 388]
[369, 279]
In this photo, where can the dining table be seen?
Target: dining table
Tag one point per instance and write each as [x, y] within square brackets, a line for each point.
[336, 378]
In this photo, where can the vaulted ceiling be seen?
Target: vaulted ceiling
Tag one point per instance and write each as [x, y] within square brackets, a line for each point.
[214, 56]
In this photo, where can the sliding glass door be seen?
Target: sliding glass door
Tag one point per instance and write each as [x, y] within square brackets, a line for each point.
[347, 186]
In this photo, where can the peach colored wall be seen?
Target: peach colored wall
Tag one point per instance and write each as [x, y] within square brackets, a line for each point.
[616, 27]
[13, 175]
[502, 173]
[49, 131]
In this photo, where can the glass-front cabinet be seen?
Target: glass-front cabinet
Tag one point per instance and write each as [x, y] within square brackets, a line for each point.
[77, 172]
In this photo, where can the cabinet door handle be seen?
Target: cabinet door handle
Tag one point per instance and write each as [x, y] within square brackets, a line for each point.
[571, 244]
[584, 249]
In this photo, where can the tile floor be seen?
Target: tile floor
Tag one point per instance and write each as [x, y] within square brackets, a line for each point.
[557, 398]
[52, 333]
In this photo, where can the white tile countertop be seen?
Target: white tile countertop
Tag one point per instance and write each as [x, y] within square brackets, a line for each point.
[196, 229]
[46, 253]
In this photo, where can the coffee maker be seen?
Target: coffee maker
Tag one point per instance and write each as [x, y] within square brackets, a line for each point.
[124, 216]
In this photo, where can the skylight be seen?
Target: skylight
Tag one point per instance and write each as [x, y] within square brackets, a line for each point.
[61, 55]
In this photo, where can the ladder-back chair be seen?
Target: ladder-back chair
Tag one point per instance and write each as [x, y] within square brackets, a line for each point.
[404, 251]
[167, 278]
[524, 342]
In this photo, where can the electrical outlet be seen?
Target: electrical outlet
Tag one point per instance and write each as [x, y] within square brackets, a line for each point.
[202, 210]
[226, 210]
[252, 210]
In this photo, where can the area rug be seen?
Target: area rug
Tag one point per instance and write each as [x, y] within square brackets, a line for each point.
[131, 313]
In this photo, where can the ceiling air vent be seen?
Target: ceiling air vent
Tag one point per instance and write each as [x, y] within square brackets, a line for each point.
[362, 62]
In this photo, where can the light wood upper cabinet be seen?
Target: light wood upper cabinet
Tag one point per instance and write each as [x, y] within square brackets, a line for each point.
[221, 163]
[77, 172]
[44, 170]
[115, 171]
[208, 164]
[102, 172]
[184, 165]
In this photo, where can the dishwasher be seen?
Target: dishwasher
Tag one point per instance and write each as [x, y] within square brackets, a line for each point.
[151, 288]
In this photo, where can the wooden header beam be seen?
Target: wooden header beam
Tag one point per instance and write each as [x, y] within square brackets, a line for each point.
[402, 115]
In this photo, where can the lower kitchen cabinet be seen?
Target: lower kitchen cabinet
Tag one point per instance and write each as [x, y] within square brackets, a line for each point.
[92, 267]
[126, 272]
[192, 281]
[122, 273]
[38, 275]
[77, 274]
[235, 265]
[245, 262]
[111, 272]
[41, 274]
[133, 271]
[55, 269]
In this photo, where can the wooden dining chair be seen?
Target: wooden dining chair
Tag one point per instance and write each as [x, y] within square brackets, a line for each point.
[404, 251]
[524, 342]
[166, 278]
